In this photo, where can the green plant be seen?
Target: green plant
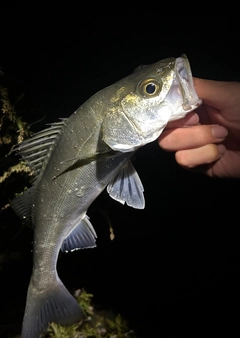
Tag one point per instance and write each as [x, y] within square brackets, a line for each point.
[98, 324]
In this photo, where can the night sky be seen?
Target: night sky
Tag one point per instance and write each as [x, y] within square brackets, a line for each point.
[173, 268]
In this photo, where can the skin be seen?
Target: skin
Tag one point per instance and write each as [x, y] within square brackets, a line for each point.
[208, 139]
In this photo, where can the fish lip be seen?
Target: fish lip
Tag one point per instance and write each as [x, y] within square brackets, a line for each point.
[184, 75]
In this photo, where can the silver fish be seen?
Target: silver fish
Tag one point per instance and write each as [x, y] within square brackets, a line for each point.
[75, 159]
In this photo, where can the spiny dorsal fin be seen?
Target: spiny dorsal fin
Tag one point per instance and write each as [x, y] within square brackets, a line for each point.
[37, 150]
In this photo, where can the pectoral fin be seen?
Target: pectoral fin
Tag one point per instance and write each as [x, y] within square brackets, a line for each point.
[81, 237]
[78, 163]
[127, 187]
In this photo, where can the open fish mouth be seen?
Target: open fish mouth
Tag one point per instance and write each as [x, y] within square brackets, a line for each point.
[186, 86]
[182, 97]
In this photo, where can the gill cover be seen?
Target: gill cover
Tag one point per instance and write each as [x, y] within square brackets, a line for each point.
[137, 121]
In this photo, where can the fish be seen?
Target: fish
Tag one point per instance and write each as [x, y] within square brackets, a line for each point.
[74, 159]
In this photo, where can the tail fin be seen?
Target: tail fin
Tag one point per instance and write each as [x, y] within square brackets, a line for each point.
[54, 304]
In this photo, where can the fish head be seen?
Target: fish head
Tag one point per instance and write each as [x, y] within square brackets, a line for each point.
[146, 101]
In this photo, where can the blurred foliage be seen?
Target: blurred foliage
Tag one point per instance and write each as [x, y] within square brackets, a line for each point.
[98, 324]
[12, 131]
[14, 174]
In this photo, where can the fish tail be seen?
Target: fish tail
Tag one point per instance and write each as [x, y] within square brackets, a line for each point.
[54, 304]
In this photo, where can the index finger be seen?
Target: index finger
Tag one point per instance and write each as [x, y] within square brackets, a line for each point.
[216, 93]
[190, 119]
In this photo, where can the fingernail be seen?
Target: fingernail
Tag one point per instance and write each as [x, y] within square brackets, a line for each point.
[192, 120]
[221, 148]
[219, 131]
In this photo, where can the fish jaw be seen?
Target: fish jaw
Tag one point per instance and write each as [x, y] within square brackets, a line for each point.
[182, 90]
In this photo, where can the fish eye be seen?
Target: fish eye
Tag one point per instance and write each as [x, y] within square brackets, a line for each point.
[149, 87]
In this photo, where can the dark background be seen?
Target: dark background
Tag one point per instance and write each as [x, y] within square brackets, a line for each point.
[173, 268]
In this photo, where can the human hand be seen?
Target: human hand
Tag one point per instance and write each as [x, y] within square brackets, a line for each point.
[209, 138]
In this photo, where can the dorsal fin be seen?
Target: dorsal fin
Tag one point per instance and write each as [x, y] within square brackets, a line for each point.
[37, 150]
[22, 205]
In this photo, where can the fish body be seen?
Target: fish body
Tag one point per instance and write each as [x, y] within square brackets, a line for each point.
[75, 159]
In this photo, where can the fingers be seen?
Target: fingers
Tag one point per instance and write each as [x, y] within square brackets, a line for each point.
[206, 154]
[196, 145]
[192, 137]
[189, 120]
[216, 93]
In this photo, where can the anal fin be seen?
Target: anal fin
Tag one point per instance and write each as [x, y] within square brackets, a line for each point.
[81, 237]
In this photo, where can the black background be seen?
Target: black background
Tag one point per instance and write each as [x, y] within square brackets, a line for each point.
[173, 268]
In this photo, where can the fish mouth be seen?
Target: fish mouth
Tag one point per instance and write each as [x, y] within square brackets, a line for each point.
[185, 80]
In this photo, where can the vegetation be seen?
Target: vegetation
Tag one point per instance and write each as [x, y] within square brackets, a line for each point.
[12, 131]
[97, 324]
